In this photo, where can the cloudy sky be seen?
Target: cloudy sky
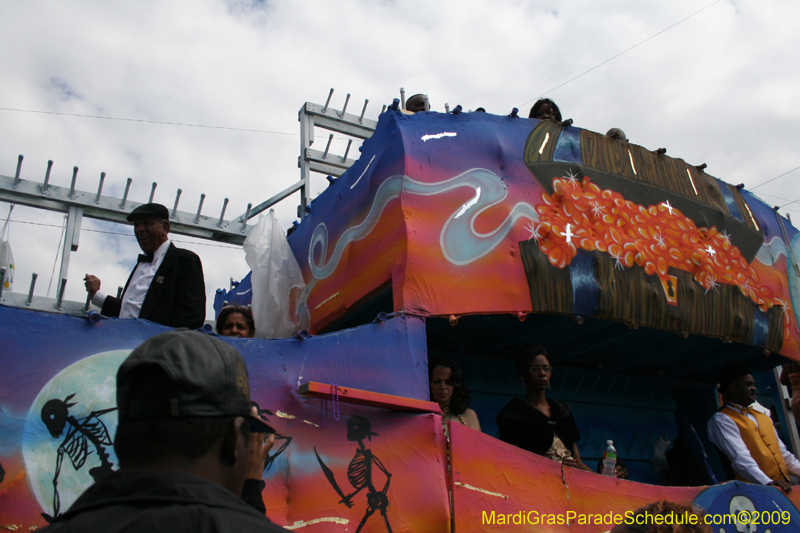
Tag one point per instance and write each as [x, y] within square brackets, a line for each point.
[714, 82]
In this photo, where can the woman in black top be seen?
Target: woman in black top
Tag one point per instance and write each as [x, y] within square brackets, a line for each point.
[538, 424]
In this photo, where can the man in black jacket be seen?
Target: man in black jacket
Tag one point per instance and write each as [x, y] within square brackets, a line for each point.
[183, 444]
[166, 286]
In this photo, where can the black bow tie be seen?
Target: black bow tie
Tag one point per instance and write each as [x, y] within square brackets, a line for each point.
[145, 258]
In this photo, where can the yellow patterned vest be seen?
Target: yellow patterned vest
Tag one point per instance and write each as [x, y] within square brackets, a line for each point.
[761, 441]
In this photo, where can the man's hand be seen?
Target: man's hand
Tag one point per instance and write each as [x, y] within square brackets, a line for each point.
[569, 461]
[92, 284]
[785, 486]
[258, 450]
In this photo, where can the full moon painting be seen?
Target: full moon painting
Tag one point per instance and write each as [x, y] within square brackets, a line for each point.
[69, 431]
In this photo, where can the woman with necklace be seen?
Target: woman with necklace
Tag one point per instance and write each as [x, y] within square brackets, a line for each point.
[450, 392]
[538, 424]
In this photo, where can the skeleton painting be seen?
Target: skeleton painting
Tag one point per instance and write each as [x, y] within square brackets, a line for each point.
[82, 434]
[360, 472]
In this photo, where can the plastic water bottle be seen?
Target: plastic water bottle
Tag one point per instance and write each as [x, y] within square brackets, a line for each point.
[610, 460]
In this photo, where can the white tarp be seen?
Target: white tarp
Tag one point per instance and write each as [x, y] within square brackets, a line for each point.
[277, 280]
[7, 260]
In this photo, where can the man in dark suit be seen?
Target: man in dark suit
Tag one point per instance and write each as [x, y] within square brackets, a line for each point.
[166, 286]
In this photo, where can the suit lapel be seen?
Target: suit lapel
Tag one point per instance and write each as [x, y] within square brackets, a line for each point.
[156, 289]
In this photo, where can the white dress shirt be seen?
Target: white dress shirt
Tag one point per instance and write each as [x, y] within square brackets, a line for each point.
[724, 432]
[137, 289]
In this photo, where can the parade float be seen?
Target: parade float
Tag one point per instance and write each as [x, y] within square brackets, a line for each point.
[469, 235]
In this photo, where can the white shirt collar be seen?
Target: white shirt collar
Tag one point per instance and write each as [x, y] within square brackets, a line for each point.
[736, 406]
[159, 254]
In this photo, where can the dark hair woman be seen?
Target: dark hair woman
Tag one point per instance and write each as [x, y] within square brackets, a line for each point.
[545, 109]
[451, 393]
[236, 321]
[538, 424]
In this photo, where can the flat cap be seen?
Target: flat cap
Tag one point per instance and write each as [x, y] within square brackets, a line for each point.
[149, 211]
[208, 378]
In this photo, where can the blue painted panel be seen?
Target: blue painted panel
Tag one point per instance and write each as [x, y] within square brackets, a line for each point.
[568, 147]
[730, 202]
[242, 294]
[585, 290]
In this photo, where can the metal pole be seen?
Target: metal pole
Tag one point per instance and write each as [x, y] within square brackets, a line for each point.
[100, 187]
[325, 153]
[306, 140]
[245, 218]
[19, 167]
[344, 157]
[30, 291]
[363, 110]
[125, 195]
[328, 101]
[222, 215]
[152, 192]
[71, 238]
[175, 207]
[74, 179]
[345, 106]
[199, 208]
[60, 298]
[46, 184]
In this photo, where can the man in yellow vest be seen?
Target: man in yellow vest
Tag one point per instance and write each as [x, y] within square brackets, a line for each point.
[747, 436]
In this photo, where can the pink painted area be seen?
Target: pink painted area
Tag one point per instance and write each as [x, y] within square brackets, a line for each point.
[538, 488]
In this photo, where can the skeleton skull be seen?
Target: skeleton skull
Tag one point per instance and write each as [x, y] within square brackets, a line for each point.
[741, 503]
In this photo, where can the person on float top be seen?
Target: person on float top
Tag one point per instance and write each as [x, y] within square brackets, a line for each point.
[538, 424]
[618, 134]
[236, 321]
[545, 109]
[184, 445]
[166, 286]
[416, 103]
[746, 436]
[451, 393]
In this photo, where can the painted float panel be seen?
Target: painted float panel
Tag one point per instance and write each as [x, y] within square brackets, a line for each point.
[522, 491]
[48, 357]
[451, 211]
